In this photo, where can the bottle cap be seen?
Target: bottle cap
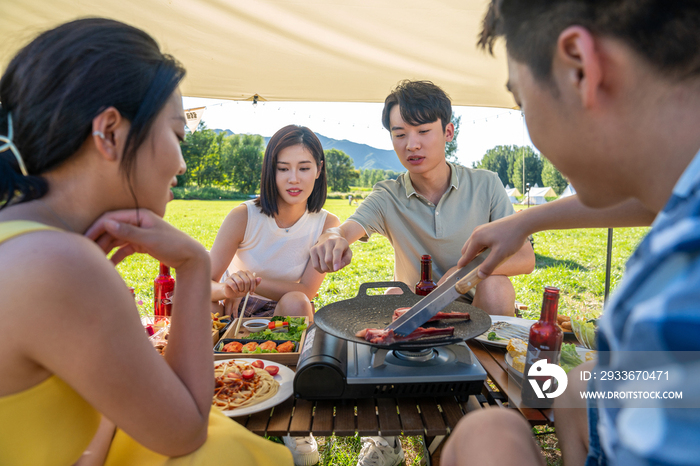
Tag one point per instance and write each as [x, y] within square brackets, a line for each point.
[425, 257]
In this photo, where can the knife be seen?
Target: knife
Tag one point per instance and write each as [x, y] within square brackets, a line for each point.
[455, 286]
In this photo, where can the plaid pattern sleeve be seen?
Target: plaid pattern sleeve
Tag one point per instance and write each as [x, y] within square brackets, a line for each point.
[656, 308]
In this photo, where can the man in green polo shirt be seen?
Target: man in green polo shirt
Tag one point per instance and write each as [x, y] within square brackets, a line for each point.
[433, 207]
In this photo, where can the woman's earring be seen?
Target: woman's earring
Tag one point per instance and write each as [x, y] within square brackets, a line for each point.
[99, 134]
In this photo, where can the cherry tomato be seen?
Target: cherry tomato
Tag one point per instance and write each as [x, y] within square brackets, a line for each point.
[273, 370]
[259, 364]
[248, 374]
[233, 375]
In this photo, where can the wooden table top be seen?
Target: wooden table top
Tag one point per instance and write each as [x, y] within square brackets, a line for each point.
[372, 416]
[427, 416]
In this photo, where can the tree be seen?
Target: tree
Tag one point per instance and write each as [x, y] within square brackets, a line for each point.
[451, 147]
[552, 177]
[533, 168]
[246, 163]
[340, 170]
[500, 160]
[196, 149]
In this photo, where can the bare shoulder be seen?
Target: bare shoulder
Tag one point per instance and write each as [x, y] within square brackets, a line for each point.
[49, 269]
[332, 221]
[234, 225]
[236, 220]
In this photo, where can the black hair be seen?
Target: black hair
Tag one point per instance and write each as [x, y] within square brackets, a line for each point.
[665, 33]
[288, 136]
[57, 84]
[419, 102]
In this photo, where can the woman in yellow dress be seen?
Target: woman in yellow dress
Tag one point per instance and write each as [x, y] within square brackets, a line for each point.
[90, 124]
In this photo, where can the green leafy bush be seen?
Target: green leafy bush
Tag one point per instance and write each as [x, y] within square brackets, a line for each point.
[207, 193]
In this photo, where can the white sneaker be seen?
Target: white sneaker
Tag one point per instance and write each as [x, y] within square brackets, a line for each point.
[304, 449]
[376, 451]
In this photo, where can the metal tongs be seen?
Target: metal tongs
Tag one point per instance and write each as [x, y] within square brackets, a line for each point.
[459, 283]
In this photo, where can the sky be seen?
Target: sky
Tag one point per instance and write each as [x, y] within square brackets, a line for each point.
[480, 129]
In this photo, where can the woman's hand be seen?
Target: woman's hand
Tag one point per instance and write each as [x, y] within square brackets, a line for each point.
[239, 283]
[143, 232]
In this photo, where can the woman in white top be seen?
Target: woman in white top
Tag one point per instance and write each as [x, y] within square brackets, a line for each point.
[271, 235]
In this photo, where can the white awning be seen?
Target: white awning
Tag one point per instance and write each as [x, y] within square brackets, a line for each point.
[284, 50]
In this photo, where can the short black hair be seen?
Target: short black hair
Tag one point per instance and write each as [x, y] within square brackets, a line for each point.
[57, 84]
[288, 136]
[419, 102]
[665, 33]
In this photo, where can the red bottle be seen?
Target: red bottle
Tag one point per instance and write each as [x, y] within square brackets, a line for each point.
[426, 283]
[545, 343]
[163, 287]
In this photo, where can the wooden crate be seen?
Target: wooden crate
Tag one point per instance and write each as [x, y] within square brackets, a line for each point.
[282, 358]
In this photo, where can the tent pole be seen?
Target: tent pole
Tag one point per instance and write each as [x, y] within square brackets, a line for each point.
[608, 262]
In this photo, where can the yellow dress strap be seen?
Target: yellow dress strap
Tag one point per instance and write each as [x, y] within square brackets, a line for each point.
[19, 227]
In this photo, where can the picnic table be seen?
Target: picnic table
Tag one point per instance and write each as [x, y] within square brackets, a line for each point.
[433, 418]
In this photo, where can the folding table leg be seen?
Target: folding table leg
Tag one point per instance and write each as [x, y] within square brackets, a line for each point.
[430, 446]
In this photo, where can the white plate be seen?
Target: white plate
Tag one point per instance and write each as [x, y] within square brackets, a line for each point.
[256, 325]
[519, 375]
[285, 377]
[525, 323]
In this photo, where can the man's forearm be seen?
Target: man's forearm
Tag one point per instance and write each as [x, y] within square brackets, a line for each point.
[521, 263]
[569, 213]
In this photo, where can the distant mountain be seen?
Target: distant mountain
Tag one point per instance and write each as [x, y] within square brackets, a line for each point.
[363, 156]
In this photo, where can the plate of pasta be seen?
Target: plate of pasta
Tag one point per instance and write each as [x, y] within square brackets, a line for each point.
[244, 386]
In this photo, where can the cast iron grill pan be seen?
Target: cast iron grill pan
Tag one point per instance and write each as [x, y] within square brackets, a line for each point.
[343, 319]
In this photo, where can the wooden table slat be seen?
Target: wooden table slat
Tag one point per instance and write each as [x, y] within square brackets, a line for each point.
[258, 422]
[241, 420]
[281, 415]
[411, 421]
[451, 410]
[389, 423]
[434, 424]
[323, 419]
[301, 422]
[344, 418]
[367, 423]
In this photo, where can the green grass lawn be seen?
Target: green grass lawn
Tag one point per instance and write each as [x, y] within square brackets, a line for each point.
[573, 260]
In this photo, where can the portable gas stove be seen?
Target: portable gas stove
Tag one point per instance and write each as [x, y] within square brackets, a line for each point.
[334, 368]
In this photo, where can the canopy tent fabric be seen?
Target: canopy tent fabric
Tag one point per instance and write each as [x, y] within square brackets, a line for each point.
[513, 195]
[569, 191]
[286, 50]
[536, 196]
[542, 192]
[513, 192]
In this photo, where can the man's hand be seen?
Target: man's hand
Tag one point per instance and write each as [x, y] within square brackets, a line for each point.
[331, 252]
[503, 237]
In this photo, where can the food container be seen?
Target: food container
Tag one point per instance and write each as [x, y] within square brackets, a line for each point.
[282, 358]
[217, 333]
[255, 325]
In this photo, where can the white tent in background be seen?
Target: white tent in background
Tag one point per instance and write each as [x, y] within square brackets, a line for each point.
[512, 193]
[569, 191]
[536, 196]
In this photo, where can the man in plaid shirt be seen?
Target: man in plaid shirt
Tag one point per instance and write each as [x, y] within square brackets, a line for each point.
[610, 91]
